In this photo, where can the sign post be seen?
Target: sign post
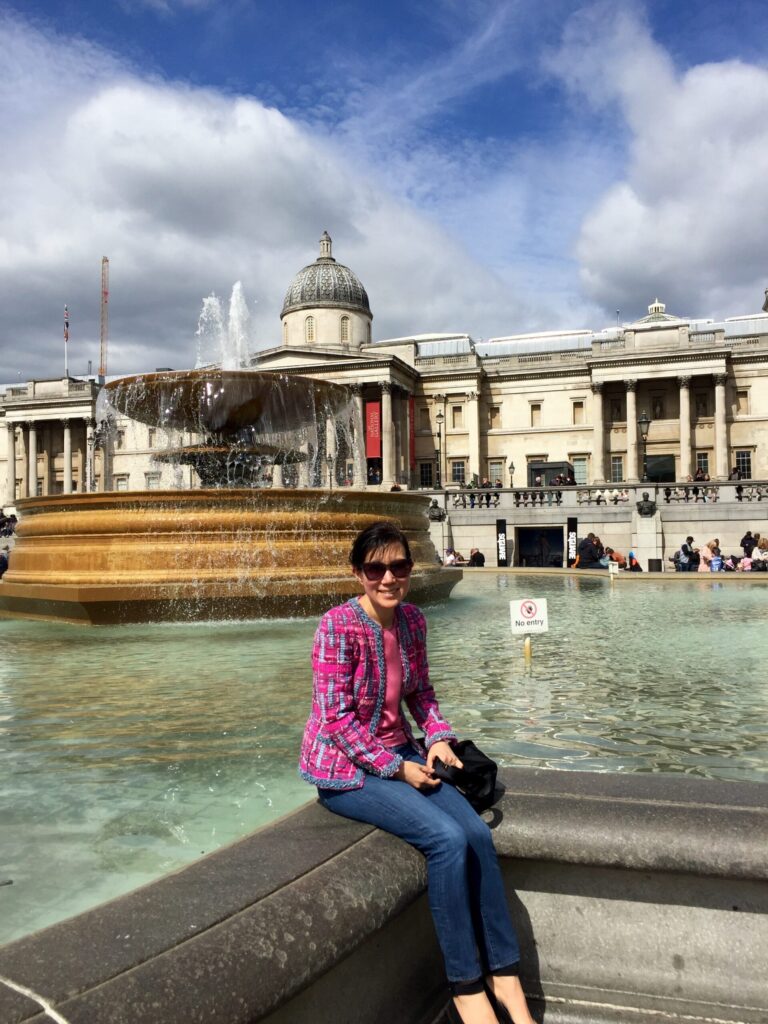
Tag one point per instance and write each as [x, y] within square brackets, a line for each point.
[529, 615]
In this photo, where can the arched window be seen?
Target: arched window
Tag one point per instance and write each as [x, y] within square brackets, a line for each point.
[309, 328]
[285, 332]
[368, 332]
[344, 330]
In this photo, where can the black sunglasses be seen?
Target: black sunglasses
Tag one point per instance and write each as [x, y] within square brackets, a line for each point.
[374, 572]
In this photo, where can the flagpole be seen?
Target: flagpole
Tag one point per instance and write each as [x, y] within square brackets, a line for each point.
[66, 340]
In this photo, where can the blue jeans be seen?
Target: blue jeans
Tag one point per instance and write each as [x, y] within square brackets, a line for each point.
[465, 888]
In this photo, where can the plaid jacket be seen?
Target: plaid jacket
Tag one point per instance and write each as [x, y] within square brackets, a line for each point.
[349, 684]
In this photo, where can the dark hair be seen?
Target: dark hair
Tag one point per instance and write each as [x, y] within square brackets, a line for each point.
[374, 538]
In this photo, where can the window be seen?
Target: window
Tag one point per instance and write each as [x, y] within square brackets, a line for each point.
[496, 470]
[579, 463]
[426, 470]
[744, 464]
[494, 417]
[617, 469]
[120, 439]
[457, 416]
[152, 481]
[424, 423]
[285, 332]
[742, 403]
[616, 407]
[536, 414]
[702, 461]
[701, 399]
[309, 329]
[344, 330]
[151, 437]
[657, 407]
[578, 412]
[458, 471]
[121, 482]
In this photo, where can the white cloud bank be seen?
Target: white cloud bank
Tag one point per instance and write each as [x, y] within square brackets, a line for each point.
[687, 219]
[187, 190]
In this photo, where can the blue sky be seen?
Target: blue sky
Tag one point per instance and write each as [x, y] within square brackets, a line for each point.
[484, 167]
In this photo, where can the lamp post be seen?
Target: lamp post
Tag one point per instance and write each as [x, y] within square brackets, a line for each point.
[511, 473]
[644, 424]
[439, 419]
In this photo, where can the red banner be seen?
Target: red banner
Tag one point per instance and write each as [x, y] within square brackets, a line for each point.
[373, 430]
[412, 432]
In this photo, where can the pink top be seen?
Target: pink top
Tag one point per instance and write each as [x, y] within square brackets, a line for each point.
[390, 730]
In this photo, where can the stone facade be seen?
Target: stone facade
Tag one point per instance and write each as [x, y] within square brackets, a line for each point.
[450, 409]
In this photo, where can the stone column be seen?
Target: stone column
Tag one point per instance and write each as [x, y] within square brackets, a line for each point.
[10, 488]
[67, 457]
[473, 423]
[684, 384]
[598, 443]
[32, 459]
[387, 446]
[721, 433]
[632, 474]
[358, 435]
[407, 468]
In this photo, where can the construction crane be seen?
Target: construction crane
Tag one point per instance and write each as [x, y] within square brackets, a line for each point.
[104, 319]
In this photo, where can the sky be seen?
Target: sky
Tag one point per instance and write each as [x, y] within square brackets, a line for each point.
[484, 167]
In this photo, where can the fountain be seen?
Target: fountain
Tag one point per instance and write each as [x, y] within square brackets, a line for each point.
[238, 547]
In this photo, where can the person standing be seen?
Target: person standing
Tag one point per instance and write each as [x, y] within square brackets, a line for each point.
[359, 750]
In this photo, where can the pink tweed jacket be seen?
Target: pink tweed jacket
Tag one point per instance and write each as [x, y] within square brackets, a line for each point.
[349, 683]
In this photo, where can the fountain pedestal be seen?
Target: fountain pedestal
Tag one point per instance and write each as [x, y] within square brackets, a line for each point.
[206, 554]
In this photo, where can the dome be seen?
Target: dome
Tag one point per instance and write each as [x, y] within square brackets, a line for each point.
[326, 283]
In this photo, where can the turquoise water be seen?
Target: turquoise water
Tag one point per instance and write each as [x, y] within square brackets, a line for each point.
[126, 752]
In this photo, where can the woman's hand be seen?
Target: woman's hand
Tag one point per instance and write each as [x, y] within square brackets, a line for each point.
[416, 775]
[444, 751]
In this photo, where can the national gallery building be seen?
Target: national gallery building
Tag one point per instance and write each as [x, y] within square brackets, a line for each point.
[444, 410]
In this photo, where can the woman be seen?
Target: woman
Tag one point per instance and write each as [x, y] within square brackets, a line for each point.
[359, 750]
[705, 554]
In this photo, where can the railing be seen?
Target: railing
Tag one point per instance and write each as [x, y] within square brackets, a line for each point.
[601, 495]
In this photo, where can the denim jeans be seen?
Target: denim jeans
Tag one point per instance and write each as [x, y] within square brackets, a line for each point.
[465, 888]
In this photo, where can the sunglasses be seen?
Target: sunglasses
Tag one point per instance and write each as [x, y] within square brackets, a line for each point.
[375, 572]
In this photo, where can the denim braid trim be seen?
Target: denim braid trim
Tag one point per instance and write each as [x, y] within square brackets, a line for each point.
[354, 783]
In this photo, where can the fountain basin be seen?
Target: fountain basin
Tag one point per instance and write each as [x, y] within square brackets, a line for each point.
[202, 554]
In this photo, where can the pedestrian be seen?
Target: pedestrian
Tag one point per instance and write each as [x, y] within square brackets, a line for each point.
[369, 659]
[687, 558]
[747, 543]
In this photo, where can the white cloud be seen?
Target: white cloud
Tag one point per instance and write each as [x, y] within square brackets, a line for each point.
[686, 218]
[187, 190]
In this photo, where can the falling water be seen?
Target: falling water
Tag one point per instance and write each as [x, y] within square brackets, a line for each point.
[226, 342]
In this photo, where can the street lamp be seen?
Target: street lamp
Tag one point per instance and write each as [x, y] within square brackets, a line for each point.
[329, 460]
[644, 424]
[511, 473]
[439, 419]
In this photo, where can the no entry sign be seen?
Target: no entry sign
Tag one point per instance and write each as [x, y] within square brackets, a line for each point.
[529, 615]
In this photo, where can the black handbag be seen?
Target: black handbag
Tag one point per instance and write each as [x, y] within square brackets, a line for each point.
[476, 780]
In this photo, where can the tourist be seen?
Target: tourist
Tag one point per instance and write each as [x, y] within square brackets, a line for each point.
[4, 553]
[716, 561]
[616, 556]
[476, 559]
[361, 753]
[588, 553]
[687, 560]
[705, 555]
[634, 565]
[747, 543]
[450, 557]
[734, 474]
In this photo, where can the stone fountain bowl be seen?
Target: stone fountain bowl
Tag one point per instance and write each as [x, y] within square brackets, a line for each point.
[203, 554]
[214, 401]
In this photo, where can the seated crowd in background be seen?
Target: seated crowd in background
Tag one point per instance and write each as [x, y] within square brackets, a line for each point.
[709, 557]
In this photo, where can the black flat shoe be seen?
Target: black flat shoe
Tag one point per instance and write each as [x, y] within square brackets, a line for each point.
[452, 1014]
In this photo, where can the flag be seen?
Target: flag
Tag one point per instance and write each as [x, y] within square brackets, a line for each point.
[66, 325]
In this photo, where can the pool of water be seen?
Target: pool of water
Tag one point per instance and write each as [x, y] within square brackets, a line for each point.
[127, 752]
